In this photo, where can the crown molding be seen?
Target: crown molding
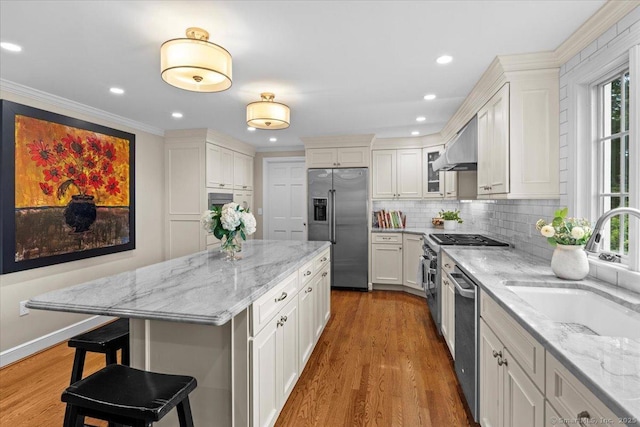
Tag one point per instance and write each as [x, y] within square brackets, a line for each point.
[360, 140]
[608, 15]
[57, 101]
[230, 142]
[282, 148]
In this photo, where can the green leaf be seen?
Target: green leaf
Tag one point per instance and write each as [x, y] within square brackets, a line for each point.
[244, 236]
[552, 241]
[557, 221]
[218, 232]
[561, 213]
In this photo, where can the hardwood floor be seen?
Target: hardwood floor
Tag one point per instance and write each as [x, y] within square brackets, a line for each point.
[379, 362]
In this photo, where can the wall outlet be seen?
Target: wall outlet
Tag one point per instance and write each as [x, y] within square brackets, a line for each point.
[23, 308]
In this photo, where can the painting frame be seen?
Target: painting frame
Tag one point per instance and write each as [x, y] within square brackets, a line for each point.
[10, 261]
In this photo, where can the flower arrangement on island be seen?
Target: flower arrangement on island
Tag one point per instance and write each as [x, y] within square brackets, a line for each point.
[565, 231]
[229, 223]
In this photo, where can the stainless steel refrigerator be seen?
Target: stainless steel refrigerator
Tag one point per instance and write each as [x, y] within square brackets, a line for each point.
[338, 212]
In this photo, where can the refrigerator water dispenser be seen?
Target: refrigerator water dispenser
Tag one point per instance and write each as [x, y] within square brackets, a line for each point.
[319, 208]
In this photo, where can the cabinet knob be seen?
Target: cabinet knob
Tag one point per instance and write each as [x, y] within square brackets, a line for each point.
[323, 259]
[244, 186]
[324, 274]
[338, 163]
[335, 164]
[497, 353]
[502, 361]
[400, 248]
[447, 265]
[581, 416]
[221, 185]
[282, 297]
[307, 273]
[309, 289]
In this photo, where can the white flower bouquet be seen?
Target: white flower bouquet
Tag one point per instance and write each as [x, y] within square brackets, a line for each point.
[565, 231]
[229, 223]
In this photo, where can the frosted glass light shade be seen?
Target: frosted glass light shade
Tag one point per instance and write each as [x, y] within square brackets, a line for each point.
[267, 114]
[196, 64]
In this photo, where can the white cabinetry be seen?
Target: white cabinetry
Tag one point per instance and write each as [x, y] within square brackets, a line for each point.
[347, 157]
[219, 167]
[518, 138]
[397, 174]
[242, 172]
[448, 304]
[412, 253]
[433, 181]
[386, 258]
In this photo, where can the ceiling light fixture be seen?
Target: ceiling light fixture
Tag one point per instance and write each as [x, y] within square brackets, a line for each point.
[444, 59]
[195, 64]
[267, 114]
[415, 133]
[421, 119]
[251, 128]
[116, 90]
[272, 139]
[429, 97]
[176, 115]
[10, 47]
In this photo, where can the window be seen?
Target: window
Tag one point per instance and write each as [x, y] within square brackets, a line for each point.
[613, 160]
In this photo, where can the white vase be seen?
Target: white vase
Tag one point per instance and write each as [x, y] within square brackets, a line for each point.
[450, 224]
[570, 262]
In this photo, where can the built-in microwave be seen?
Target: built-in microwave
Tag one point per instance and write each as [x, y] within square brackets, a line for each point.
[218, 199]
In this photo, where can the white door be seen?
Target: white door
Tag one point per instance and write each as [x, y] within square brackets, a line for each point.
[285, 199]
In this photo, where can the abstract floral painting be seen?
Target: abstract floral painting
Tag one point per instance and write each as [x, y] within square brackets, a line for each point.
[67, 189]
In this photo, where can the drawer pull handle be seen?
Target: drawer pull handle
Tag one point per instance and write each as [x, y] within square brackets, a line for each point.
[581, 416]
[282, 297]
[221, 185]
[244, 186]
[497, 353]
[308, 273]
[324, 274]
[502, 361]
[309, 289]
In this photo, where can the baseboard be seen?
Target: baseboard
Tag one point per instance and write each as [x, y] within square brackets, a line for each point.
[400, 288]
[32, 347]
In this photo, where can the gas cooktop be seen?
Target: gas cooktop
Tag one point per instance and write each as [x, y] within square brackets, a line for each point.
[465, 240]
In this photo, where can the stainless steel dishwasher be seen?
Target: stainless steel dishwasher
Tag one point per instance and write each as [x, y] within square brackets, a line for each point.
[466, 337]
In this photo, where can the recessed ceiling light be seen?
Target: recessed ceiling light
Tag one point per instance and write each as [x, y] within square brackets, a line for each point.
[10, 47]
[421, 119]
[176, 115]
[415, 133]
[272, 139]
[444, 59]
[116, 90]
[429, 97]
[251, 128]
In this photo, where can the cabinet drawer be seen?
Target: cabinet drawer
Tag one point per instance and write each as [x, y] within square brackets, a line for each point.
[322, 260]
[387, 238]
[447, 263]
[526, 350]
[306, 272]
[265, 307]
[570, 398]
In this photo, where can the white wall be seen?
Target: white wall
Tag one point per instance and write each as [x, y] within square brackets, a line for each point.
[16, 287]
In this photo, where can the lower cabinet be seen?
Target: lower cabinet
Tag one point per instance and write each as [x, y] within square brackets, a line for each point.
[448, 304]
[386, 263]
[286, 324]
[411, 254]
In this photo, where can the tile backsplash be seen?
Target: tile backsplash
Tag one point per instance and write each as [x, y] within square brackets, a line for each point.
[512, 221]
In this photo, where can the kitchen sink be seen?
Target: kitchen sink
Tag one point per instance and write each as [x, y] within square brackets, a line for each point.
[580, 310]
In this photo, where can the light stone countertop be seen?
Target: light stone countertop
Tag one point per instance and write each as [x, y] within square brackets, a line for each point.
[608, 366]
[199, 288]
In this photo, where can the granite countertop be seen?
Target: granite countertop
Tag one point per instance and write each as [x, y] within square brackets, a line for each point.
[199, 288]
[608, 366]
[403, 230]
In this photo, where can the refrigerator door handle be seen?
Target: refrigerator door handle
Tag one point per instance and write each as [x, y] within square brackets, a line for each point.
[333, 217]
[330, 215]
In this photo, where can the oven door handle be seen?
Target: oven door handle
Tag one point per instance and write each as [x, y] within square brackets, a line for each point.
[465, 293]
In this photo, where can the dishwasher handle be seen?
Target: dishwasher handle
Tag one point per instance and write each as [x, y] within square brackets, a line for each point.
[465, 293]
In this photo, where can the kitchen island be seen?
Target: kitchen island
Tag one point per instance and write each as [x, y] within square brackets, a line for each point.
[200, 315]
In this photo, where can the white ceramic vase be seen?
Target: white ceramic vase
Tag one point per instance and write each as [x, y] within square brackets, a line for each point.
[570, 262]
[450, 224]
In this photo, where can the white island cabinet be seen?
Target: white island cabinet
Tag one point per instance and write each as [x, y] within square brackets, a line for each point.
[234, 326]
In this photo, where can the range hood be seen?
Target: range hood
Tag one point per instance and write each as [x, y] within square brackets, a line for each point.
[461, 153]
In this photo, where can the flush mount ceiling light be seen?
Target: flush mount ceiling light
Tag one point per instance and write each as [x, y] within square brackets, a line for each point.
[444, 59]
[116, 90]
[267, 114]
[195, 64]
[429, 97]
[11, 47]
[421, 119]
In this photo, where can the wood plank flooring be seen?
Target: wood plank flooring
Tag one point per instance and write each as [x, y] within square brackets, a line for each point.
[379, 362]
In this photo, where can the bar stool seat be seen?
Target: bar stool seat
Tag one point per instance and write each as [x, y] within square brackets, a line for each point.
[107, 339]
[124, 395]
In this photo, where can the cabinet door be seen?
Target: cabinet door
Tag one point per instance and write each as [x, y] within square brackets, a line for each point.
[451, 318]
[214, 159]
[384, 174]
[386, 263]
[307, 321]
[432, 180]
[264, 375]
[450, 184]
[321, 157]
[288, 349]
[248, 173]
[409, 174]
[326, 295]
[484, 152]
[493, 144]
[523, 403]
[226, 167]
[239, 171]
[412, 254]
[444, 307]
[353, 157]
[490, 378]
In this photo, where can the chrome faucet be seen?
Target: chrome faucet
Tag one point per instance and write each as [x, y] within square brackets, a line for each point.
[594, 241]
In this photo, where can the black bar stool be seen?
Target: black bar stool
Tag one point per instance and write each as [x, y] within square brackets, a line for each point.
[123, 395]
[107, 339]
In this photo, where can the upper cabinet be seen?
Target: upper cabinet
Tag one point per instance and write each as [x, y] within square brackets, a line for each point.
[518, 138]
[242, 171]
[219, 167]
[347, 157]
[433, 181]
[397, 174]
